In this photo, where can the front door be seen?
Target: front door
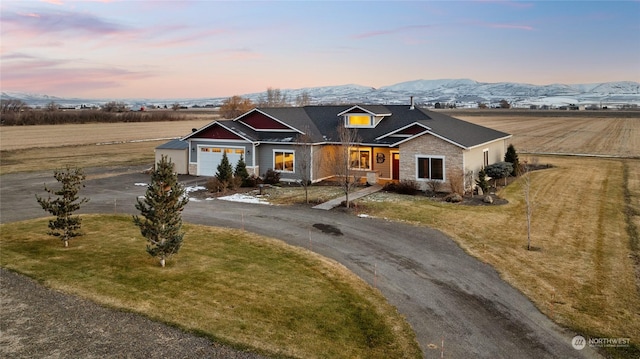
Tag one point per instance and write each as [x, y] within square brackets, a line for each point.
[395, 165]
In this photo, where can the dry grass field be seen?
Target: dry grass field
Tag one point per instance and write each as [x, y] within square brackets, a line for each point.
[581, 271]
[569, 132]
[24, 137]
[37, 148]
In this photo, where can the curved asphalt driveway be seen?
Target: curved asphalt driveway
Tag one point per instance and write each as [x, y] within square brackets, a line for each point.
[446, 295]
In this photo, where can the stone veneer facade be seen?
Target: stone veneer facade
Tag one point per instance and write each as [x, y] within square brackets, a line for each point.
[429, 146]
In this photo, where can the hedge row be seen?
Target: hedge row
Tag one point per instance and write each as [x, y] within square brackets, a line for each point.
[33, 117]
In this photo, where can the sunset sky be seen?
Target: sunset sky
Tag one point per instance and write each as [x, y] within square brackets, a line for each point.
[180, 49]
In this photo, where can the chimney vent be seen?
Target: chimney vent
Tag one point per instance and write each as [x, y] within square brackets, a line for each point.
[412, 104]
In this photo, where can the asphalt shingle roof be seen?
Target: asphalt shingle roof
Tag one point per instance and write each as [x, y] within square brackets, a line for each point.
[174, 145]
[321, 122]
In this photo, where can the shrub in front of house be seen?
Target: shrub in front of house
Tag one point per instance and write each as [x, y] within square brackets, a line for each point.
[409, 187]
[251, 181]
[271, 177]
[215, 185]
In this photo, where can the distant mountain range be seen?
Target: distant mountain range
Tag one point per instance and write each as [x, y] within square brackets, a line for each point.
[461, 92]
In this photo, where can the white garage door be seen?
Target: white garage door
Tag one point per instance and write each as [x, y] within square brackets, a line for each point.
[210, 156]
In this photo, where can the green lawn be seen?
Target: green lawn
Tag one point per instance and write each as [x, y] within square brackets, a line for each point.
[229, 285]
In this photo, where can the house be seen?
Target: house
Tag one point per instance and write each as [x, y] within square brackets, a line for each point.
[395, 142]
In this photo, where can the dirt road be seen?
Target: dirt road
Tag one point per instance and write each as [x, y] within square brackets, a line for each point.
[446, 295]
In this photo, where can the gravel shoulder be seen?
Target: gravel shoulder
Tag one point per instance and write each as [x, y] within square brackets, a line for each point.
[38, 322]
[445, 294]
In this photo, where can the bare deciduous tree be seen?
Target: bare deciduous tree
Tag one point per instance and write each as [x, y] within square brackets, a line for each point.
[341, 163]
[114, 106]
[303, 99]
[12, 105]
[529, 199]
[274, 98]
[52, 106]
[305, 160]
[235, 106]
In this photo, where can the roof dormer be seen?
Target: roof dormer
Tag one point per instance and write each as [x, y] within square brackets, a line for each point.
[364, 116]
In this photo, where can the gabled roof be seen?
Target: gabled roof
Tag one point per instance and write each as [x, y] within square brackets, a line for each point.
[176, 144]
[375, 110]
[209, 131]
[401, 123]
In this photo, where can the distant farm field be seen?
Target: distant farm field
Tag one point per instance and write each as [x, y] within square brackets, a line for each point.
[612, 133]
[30, 148]
[24, 137]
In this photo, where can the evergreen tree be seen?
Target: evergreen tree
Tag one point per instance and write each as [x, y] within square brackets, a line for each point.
[65, 225]
[512, 157]
[482, 181]
[161, 208]
[224, 171]
[499, 170]
[241, 171]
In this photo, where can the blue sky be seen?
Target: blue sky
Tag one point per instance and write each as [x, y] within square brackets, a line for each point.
[169, 49]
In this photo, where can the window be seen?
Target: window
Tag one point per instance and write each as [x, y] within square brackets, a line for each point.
[485, 154]
[360, 159]
[283, 161]
[358, 121]
[430, 168]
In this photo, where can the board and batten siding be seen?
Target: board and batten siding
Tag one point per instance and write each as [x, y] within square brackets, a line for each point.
[383, 168]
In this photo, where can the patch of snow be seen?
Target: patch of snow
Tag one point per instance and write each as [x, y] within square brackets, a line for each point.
[364, 215]
[194, 189]
[239, 197]
[141, 184]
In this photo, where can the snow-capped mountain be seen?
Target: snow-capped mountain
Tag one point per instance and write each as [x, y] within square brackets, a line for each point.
[461, 92]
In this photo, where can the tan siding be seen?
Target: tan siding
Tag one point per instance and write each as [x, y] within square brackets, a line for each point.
[384, 168]
[178, 157]
[474, 158]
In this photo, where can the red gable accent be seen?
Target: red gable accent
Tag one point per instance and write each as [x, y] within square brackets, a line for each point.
[259, 121]
[219, 133]
[413, 130]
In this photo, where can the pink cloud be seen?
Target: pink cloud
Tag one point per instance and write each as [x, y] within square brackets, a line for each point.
[26, 72]
[47, 22]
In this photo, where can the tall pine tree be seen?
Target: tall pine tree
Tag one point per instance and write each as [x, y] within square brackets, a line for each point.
[224, 171]
[65, 225]
[161, 211]
[241, 171]
[512, 157]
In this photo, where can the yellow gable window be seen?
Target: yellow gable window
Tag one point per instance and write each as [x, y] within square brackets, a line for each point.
[359, 120]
